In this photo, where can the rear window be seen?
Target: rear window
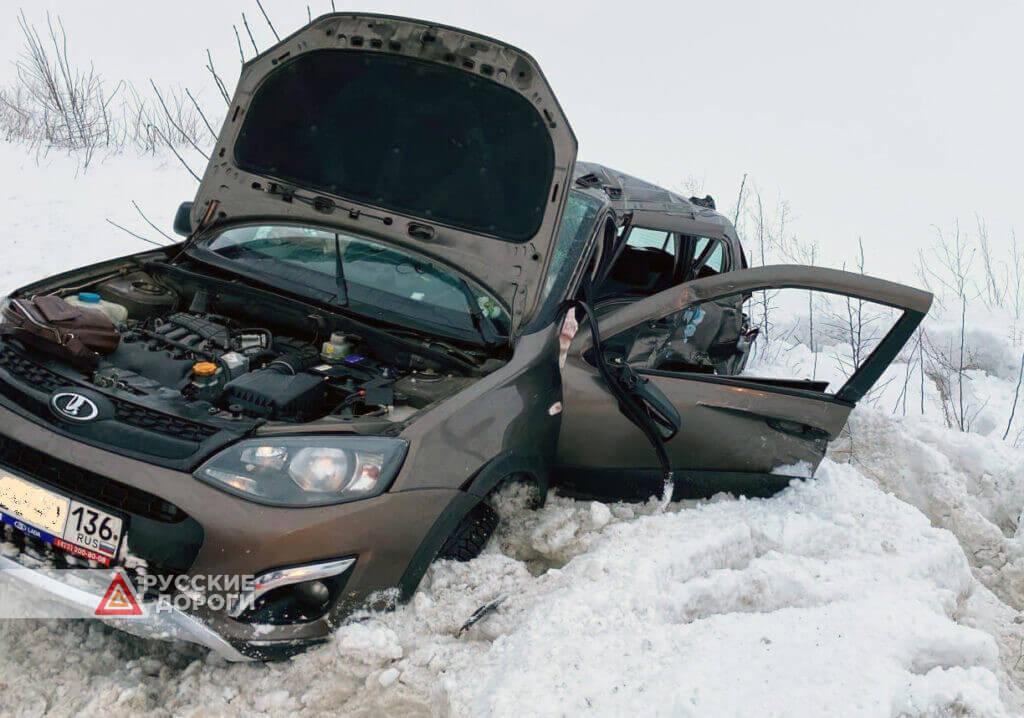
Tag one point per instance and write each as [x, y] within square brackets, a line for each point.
[406, 135]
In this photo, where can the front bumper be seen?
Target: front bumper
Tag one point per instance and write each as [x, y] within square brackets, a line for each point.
[243, 538]
[164, 625]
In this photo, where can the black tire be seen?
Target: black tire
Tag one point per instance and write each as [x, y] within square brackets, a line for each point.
[471, 535]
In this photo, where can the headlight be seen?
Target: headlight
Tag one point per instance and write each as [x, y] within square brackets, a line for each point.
[306, 471]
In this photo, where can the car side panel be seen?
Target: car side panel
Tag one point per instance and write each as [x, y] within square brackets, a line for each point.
[725, 427]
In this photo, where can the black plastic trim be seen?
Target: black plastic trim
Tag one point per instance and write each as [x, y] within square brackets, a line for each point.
[638, 484]
[167, 540]
[475, 489]
[443, 526]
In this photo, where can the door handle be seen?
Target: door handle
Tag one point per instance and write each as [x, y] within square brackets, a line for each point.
[785, 426]
[794, 428]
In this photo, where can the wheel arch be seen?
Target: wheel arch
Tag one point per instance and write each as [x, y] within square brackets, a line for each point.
[490, 477]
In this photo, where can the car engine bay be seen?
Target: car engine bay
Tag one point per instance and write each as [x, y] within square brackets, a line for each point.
[201, 353]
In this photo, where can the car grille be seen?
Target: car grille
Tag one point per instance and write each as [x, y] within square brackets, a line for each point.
[44, 380]
[29, 372]
[35, 464]
[161, 423]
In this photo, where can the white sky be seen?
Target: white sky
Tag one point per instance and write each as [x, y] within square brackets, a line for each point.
[872, 119]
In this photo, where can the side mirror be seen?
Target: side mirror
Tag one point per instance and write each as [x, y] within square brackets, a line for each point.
[183, 220]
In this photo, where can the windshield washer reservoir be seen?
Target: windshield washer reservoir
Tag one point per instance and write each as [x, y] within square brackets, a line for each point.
[87, 300]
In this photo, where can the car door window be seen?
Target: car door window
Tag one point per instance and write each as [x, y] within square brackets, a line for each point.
[806, 339]
[814, 326]
[643, 238]
[708, 258]
[645, 265]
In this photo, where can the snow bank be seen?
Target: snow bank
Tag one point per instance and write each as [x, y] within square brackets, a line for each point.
[969, 484]
[833, 590]
[55, 216]
[832, 598]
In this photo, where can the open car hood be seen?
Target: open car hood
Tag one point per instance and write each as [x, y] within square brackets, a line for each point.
[419, 135]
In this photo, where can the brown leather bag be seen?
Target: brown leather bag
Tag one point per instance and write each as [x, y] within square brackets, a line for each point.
[49, 324]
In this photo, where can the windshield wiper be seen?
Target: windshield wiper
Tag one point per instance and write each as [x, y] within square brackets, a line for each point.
[481, 322]
[339, 273]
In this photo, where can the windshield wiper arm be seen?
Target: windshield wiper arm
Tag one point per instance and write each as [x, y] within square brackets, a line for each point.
[339, 272]
[481, 322]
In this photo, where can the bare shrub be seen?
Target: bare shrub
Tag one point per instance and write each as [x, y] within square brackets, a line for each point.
[766, 227]
[56, 102]
[914, 364]
[169, 114]
[1016, 398]
[1002, 278]
[16, 121]
[947, 270]
[858, 326]
[1015, 286]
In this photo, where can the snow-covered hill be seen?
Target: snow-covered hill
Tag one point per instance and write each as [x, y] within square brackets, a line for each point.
[890, 584]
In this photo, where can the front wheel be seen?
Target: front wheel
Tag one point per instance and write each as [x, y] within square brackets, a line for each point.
[471, 535]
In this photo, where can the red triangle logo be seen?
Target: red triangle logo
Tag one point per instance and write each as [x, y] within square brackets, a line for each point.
[119, 600]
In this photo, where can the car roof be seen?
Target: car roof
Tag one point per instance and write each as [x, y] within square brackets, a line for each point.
[629, 194]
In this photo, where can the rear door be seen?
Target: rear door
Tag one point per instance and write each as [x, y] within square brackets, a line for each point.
[747, 432]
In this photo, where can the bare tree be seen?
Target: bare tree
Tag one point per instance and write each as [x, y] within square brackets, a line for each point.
[692, 186]
[248, 31]
[182, 120]
[916, 354]
[764, 231]
[267, 18]
[1015, 287]
[950, 273]
[1001, 280]
[739, 201]
[221, 87]
[858, 326]
[1016, 398]
[993, 287]
[202, 114]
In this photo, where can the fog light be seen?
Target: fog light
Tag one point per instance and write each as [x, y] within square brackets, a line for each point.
[314, 593]
[310, 584]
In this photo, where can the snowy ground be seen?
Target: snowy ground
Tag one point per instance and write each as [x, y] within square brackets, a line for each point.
[891, 584]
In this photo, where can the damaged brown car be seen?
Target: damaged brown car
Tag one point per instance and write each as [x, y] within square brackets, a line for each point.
[358, 342]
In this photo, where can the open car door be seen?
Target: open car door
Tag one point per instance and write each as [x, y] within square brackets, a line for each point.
[744, 433]
[658, 250]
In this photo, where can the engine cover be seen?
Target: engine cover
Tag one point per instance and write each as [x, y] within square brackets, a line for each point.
[271, 394]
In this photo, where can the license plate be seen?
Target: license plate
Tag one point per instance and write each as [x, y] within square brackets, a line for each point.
[71, 526]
